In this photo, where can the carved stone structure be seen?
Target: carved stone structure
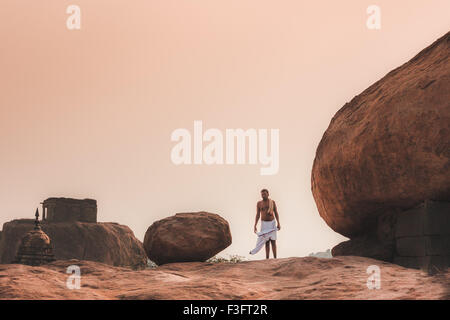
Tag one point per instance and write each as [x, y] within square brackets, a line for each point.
[422, 236]
[415, 238]
[35, 248]
[67, 209]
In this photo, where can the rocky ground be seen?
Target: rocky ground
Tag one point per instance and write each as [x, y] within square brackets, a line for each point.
[288, 278]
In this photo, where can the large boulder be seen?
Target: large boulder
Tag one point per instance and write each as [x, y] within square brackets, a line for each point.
[187, 237]
[109, 243]
[385, 151]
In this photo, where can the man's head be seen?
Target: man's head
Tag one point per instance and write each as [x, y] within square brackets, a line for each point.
[265, 194]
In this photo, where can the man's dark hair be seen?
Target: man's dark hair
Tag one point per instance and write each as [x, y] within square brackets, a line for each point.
[265, 190]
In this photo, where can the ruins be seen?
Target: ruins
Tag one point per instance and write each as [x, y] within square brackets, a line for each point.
[68, 209]
[35, 248]
[422, 236]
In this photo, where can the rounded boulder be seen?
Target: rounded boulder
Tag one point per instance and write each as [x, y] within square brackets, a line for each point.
[388, 149]
[187, 237]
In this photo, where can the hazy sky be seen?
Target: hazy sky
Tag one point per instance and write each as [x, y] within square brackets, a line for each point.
[89, 113]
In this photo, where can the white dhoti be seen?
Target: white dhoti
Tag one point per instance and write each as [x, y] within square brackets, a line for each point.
[268, 232]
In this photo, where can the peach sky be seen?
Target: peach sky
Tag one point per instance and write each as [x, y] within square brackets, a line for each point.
[89, 113]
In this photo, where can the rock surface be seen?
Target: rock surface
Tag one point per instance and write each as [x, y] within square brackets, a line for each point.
[289, 278]
[109, 243]
[388, 149]
[187, 237]
[365, 247]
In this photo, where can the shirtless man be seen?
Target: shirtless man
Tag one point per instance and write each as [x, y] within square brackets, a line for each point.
[262, 210]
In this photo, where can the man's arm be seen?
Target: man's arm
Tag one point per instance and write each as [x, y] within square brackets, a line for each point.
[257, 218]
[276, 215]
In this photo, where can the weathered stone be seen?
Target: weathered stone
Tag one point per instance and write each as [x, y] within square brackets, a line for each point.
[438, 218]
[108, 243]
[428, 218]
[381, 174]
[430, 264]
[68, 209]
[365, 247]
[309, 278]
[410, 223]
[388, 149]
[422, 234]
[438, 245]
[411, 246]
[35, 249]
[187, 237]
[410, 262]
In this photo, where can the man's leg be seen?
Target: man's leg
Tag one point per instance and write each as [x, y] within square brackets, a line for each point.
[274, 248]
[267, 249]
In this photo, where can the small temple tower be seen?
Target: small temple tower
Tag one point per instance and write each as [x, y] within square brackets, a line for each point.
[35, 248]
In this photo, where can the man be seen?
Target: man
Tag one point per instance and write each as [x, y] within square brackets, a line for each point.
[267, 210]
